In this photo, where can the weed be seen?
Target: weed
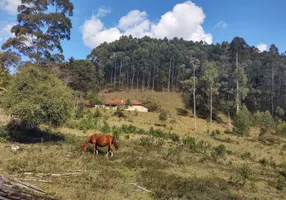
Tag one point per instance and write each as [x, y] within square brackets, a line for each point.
[243, 174]
[263, 162]
[219, 151]
[246, 155]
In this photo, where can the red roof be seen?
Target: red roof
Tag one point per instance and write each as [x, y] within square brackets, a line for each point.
[121, 102]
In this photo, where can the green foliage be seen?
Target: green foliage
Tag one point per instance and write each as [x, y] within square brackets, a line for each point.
[42, 24]
[79, 110]
[195, 146]
[281, 182]
[38, 97]
[93, 99]
[163, 115]
[242, 122]
[219, 151]
[105, 128]
[264, 120]
[246, 155]
[242, 174]
[279, 112]
[281, 128]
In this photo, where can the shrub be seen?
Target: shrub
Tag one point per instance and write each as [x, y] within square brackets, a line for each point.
[279, 112]
[264, 120]
[105, 128]
[93, 99]
[242, 174]
[182, 112]
[195, 146]
[281, 182]
[79, 110]
[116, 132]
[281, 128]
[163, 115]
[37, 96]
[242, 122]
[219, 151]
[246, 155]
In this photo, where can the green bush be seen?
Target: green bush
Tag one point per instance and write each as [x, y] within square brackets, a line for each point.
[37, 96]
[242, 174]
[281, 128]
[264, 120]
[105, 128]
[163, 115]
[196, 146]
[219, 151]
[242, 122]
[79, 110]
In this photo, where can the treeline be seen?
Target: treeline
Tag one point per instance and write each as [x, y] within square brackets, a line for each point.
[218, 76]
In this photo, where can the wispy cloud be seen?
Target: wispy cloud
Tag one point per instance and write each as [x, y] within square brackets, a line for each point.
[101, 12]
[220, 24]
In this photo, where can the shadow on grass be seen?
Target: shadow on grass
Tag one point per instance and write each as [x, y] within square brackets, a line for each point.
[14, 133]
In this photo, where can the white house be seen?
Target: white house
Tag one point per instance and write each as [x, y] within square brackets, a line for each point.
[134, 105]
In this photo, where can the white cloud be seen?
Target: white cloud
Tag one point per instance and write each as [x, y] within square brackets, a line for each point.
[262, 47]
[94, 32]
[220, 24]
[103, 12]
[185, 20]
[5, 32]
[10, 6]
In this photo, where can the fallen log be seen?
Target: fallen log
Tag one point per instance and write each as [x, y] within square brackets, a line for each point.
[13, 189]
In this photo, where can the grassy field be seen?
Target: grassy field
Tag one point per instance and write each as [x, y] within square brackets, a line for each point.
[202, 165]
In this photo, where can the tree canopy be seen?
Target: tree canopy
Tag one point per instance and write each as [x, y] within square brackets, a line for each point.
[37, 96]
[41, 25]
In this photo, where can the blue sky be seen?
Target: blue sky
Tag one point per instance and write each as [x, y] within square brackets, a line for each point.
[259, 22]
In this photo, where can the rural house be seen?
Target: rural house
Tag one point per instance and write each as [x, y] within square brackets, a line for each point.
[134, 105]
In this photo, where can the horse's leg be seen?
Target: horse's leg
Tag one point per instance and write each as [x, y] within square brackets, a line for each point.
[94, 148]
[109, 149]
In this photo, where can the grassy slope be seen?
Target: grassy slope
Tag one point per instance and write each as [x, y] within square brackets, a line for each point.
[150, 164]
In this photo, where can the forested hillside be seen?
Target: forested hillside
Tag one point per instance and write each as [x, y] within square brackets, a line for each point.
[232, 74]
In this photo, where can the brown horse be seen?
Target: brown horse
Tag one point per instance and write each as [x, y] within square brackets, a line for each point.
[101, 141]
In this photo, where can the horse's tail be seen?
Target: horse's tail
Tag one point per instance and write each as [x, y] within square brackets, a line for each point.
[114, 142]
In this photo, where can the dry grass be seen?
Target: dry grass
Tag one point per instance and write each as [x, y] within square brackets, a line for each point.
[169, 170]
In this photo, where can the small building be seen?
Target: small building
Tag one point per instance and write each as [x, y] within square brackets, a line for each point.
[134, 105]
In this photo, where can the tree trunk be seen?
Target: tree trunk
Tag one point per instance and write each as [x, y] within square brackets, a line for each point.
[237, 84]
[272, 88]
[137, 80]
[169, 78]
[153, 81]
[211, 113]
[120, 69]
[173, 74]
[133, 74]
[194, 97]
[114, 73]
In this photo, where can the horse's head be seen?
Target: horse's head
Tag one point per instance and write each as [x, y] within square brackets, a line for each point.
[84, 147]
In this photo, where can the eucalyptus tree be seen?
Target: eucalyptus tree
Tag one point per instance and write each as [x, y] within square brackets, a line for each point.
[40, 27]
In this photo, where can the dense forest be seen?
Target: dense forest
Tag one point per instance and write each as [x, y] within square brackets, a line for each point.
[224, 76]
